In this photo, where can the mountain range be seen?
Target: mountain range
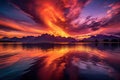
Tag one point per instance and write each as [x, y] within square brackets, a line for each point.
[44, 38]
[47, 38]
[102, 38]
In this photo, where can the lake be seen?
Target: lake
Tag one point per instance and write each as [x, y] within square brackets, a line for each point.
[93, 61]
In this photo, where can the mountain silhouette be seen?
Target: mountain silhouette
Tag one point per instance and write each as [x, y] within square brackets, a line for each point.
[44, 38]
[102, 38]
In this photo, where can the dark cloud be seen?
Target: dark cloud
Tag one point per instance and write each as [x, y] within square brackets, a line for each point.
[8, 10]
[117, 33]
[56, 16]
[112, 18]
[7, 28]
[28, 6]
[114, 13]
[70, 8]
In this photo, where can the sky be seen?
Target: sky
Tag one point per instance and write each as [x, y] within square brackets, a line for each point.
[67, 18]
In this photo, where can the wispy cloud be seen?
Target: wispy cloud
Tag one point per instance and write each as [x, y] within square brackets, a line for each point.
[57, 17]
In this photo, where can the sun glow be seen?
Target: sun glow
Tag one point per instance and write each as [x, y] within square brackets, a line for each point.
[53, 18]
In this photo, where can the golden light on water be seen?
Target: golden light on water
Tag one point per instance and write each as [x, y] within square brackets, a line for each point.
[17, 52]
[55, 60]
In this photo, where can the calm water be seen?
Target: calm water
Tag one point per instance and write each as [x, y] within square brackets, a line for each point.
[59, 62]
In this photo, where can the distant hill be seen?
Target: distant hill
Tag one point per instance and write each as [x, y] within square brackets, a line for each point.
[44, 38]
[102, 38]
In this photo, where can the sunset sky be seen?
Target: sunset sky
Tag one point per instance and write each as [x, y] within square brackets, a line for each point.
[67, 18]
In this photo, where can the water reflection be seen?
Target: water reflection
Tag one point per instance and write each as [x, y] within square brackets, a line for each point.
[60, 62]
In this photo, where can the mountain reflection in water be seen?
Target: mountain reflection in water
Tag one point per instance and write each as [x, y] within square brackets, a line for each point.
[60, 62]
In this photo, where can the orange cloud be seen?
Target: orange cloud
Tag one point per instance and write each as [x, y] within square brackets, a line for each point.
[57, 17]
